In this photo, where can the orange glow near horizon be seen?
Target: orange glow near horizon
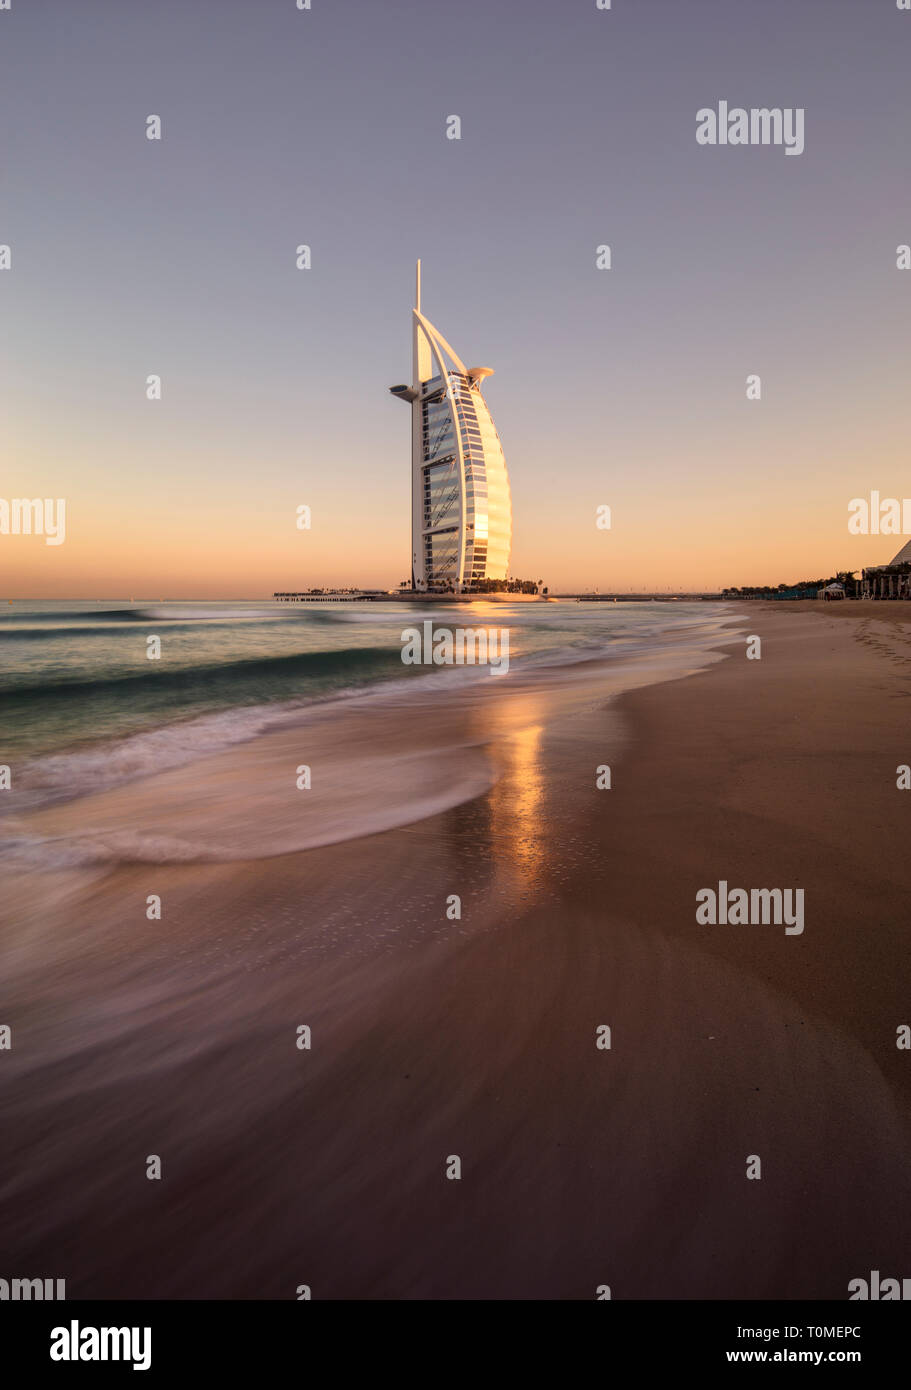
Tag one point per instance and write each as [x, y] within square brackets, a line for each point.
[208, 512]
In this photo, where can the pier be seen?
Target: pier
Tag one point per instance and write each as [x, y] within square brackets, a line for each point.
[324, 598]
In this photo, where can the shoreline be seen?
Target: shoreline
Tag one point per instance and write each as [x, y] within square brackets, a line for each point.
[386, 755]
[476, 1037]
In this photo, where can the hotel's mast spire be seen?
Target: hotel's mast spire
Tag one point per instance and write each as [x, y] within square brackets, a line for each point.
[417, 289]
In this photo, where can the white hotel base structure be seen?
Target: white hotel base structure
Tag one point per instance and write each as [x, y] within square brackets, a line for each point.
[461, 517]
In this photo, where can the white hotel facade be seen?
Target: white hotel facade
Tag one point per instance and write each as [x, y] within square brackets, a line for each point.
[461, 518]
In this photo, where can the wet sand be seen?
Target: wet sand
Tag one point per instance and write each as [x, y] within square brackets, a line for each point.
[433, 1037]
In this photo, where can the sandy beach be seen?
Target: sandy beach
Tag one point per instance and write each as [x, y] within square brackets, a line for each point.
[476, 1037]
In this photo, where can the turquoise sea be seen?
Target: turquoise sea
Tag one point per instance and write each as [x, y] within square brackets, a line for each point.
[82, 708]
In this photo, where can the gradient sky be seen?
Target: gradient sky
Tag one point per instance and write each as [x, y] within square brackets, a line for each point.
[327, 127]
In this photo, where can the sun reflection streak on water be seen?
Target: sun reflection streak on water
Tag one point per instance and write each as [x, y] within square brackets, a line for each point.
[517, 804]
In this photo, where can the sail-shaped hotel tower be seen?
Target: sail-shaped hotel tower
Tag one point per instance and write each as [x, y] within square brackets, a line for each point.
[461, 514]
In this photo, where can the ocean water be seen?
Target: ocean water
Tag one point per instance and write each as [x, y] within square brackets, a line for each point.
[83, 710]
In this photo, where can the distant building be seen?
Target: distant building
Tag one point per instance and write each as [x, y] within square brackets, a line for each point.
[461, 516]
[889, 581]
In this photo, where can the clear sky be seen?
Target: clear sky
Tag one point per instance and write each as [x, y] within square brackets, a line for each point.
[327, 127]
